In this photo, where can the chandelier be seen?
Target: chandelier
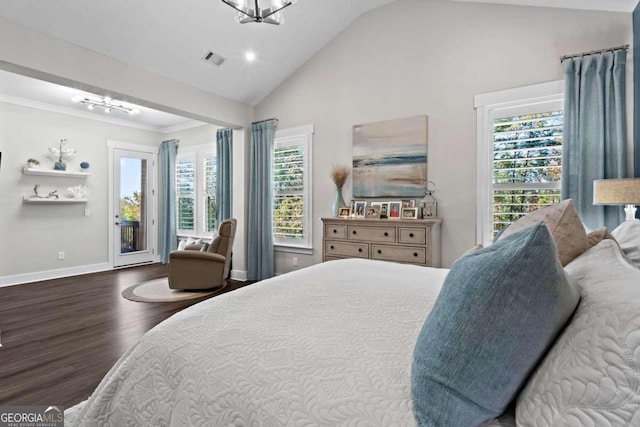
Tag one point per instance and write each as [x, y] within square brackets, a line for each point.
[105, 103]
[270, 15]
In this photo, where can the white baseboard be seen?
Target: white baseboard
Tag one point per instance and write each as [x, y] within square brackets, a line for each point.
[53, 274]
[239, 275]
[40, 276]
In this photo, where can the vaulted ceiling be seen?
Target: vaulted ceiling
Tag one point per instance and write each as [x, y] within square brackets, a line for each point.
[170, 37]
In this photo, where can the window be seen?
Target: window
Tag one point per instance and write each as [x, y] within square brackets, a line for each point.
[209, 177]
[292, 228]
[186, 190]
[519, 154]
[196, 170]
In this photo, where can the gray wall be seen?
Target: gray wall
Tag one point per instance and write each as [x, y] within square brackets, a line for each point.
[34, 54]
[429, 57]
[33, 234]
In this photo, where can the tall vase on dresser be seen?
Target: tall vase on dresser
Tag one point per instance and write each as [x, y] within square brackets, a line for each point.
[338, 202]
[339, 175]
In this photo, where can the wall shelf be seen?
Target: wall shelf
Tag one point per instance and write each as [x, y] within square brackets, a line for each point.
[53, 172]
[52, 200]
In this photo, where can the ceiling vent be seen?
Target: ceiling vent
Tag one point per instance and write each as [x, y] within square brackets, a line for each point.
[213, 58]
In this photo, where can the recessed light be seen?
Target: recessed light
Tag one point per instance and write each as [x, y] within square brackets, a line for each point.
[250, 56]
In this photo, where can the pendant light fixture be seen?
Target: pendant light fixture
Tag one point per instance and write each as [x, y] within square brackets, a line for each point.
[251, 11]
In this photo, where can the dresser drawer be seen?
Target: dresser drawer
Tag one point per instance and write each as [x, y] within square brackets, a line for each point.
[399, 253]
[372, 234]
[415, 236]
[337, 248]
[335, 231]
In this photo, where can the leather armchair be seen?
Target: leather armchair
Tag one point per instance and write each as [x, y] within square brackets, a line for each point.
[195, 269]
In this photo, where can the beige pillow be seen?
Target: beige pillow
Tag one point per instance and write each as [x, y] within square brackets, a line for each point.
[598, 235]
[565, 226]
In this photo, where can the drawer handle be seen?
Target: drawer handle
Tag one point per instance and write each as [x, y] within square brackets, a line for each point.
[415, 254]
[335, 231]
[354, 232]
[411, 235]
[359, 249]
[331, 246]
[386, 234]
[379, 251]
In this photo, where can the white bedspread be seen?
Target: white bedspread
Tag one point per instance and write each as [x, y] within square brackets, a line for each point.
[330, 345]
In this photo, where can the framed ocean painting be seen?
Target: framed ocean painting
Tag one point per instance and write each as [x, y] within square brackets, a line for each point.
[390, 158]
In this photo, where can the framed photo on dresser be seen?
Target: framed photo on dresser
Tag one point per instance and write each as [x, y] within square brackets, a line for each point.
[373, 212]
[359, 207]
[395, 208]
[409, 213]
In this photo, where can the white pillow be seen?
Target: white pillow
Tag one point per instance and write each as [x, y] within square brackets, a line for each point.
[190, 241]
[627, 235]
[590, 377]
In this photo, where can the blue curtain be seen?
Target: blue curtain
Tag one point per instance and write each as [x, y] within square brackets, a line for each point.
[224, 181]
[260, 226]
[167, 233]
[594, 135]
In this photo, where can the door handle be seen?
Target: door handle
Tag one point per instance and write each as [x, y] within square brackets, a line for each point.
[117, 223]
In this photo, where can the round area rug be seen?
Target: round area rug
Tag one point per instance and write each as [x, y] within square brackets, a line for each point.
[158, 291]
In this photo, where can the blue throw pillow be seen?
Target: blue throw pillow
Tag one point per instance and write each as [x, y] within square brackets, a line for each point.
[499, 309]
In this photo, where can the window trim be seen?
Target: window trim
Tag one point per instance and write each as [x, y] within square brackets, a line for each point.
[198, 153]
[486, 105]
[306, 246]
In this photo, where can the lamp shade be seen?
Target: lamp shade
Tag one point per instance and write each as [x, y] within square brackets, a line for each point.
[616, 191]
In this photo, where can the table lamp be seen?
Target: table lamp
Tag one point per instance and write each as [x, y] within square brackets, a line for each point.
[625, 191]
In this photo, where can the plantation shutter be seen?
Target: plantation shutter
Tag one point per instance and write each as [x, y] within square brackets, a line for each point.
[527, 164]
[288, 214]
[185, 189]
[209, 196]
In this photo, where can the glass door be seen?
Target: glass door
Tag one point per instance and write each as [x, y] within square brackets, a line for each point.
[132, 201]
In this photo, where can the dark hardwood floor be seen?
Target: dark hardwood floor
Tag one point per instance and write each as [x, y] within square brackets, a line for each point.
[60, 337]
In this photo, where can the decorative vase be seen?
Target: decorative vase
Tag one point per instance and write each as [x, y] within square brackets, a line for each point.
[338, 202]
[60, 166]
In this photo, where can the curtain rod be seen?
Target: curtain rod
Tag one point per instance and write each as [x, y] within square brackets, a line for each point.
[593, 52]
[177, 141]
[265, 120]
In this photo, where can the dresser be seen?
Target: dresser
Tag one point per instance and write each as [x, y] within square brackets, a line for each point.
[414, 241]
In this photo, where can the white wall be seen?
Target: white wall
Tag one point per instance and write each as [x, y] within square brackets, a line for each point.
[33, 234]
[417, 57]
[206, 134]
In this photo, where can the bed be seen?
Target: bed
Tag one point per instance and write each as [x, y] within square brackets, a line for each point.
[332, 345]
[328, 345]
